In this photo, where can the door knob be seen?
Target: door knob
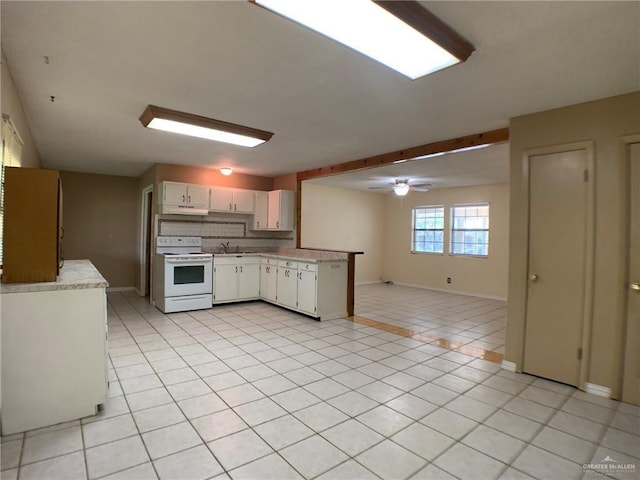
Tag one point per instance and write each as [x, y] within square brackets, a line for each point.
[533, 277]
[635, 287]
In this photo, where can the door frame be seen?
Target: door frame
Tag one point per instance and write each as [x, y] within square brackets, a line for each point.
[627, 376]
[587, 319]
[144, 254]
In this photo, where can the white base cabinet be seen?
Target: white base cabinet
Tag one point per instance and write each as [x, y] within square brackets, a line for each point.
[54, 357]
[269, 279]
[236, 278]
[287, 288]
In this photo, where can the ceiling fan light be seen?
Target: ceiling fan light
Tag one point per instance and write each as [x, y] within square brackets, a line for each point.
[401, 189]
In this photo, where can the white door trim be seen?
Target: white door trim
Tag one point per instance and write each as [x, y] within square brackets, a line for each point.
[143, 238]
[589, 247]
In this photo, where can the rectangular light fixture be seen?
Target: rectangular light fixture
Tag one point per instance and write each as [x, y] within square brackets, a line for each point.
[189, 124]
[402, 35]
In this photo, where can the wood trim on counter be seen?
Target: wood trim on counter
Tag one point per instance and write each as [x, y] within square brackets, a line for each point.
[491, 137]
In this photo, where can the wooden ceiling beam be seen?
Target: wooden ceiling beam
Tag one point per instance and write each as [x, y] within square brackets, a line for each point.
[491, 137]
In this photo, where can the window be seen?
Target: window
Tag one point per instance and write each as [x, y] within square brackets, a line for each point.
[428, 229]
[470, 230]
[11, 156]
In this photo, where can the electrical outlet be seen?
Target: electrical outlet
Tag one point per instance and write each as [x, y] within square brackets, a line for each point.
[448, 279]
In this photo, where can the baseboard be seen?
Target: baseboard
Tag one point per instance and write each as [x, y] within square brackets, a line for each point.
[367, 282]
[121, 289]
[457, 292]
[598, 390]
[509, 366]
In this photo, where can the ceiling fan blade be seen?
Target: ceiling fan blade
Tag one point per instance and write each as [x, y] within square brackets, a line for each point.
[379, 188]
[419, 189]
[421, 185]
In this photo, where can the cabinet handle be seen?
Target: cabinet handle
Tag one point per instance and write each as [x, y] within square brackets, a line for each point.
[230, 207]
[258, 224]
[235, 207]
[236, 269]
[183, 199]
[240, 268]
[189, 197]
[277, 224]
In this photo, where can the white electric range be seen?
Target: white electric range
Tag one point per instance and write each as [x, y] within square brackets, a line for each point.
[183, 279]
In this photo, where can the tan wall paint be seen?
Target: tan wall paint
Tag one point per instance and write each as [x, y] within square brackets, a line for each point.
[12, 106]
[604, 122]
[476, 276]
[100, 223]
[342, 219]
[210, 176]
[286, 182]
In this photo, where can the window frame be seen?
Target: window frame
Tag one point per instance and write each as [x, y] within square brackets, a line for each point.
[414, 230]
[453, 230]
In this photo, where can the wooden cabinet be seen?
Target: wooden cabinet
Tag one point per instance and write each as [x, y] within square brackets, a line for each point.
[236, 278]
[269, 279]
[231, 200]
[287, 285]
[183, 198]
[32, 242]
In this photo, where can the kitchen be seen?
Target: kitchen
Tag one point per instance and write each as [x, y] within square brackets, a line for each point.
[104, 207]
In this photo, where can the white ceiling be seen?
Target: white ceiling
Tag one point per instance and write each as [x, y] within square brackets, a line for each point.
[326, 104]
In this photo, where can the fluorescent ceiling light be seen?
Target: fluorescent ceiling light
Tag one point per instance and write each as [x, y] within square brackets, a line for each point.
[196, 126]
[402, 35]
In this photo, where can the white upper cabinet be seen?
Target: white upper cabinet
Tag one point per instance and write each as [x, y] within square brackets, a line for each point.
[261, 211]
[231, 200]
[274, 210]
[183, 198]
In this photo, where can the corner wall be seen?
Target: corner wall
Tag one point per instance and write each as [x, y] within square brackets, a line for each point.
[343, 219]
[12, 106]
[100, 223]
[474, 276]
[605, 122]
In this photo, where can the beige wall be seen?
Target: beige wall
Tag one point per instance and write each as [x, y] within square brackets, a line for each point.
[210, 176]
[342, 219]
[603, 122]
[100, 223]
[12, 106]
[476, 276]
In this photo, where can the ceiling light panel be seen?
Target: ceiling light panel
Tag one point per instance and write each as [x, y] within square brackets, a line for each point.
[202, 127]
[370, 29]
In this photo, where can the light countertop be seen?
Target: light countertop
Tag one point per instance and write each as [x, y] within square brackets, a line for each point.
[296, 254]
[74, 275]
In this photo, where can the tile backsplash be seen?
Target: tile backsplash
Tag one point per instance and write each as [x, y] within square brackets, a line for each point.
[215, 229]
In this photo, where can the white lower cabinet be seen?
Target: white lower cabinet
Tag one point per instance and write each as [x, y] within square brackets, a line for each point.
[307, 285]
[287, 288]
[236, 278]
[315, 289]
[269, 279]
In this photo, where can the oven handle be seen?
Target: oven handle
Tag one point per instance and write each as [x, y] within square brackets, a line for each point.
[196, 260]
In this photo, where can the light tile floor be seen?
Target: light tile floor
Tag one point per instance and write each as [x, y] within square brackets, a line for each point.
[252, 391]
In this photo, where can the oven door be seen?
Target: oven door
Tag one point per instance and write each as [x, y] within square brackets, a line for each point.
[187, 276]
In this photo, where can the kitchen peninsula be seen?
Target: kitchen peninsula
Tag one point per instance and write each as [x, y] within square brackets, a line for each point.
[54, 348]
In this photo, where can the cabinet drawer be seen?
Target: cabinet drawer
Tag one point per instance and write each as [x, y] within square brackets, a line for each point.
[270, 261]
[290, 264]
[308, 267]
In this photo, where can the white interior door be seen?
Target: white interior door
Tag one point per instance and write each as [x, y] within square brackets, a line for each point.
[558, 229]
[631, 382]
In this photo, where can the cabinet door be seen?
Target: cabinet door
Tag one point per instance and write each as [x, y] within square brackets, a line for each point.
[274, 210]
[198, 196]
[307, 292]
[268, 281]
[243, 201]
[287, 287]
[225, 283]
[221, 199]
[261, 211]
[174, 193]
[249, 281]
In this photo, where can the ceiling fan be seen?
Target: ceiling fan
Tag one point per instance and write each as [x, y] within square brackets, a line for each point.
[402, 186]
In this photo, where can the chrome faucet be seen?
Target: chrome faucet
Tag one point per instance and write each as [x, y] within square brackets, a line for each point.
[225, 247]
